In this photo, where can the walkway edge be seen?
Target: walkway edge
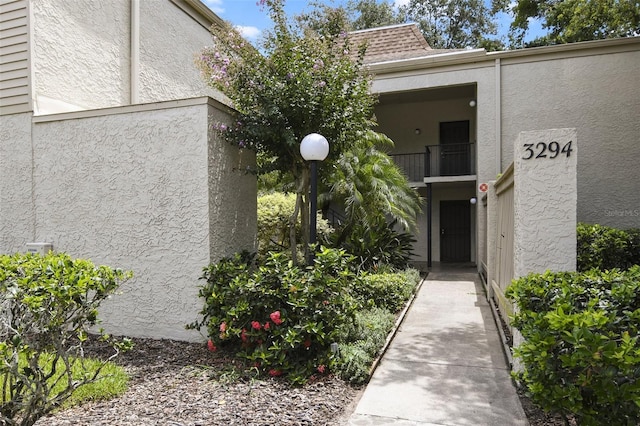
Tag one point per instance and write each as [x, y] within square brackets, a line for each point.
[396, 327]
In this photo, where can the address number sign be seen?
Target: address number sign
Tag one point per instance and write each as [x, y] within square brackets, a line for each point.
[549, 150]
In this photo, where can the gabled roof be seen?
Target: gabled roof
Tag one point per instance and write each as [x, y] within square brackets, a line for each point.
[393, 42]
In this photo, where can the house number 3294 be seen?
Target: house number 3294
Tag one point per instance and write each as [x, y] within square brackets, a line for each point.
[546, 150]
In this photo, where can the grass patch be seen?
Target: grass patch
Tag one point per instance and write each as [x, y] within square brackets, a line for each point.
[112, 380]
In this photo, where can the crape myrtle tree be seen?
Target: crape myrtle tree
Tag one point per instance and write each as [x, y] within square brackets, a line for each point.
[297, 82]
[354, 15]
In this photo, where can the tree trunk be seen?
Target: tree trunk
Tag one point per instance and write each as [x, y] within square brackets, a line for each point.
[302, 208]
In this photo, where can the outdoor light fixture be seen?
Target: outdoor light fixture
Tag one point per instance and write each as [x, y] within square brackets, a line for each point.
[313, 148]
[417, 131]
[473, 200]
[472, 103]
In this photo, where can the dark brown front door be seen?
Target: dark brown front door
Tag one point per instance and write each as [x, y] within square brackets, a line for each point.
[455, 231]
[455, 153]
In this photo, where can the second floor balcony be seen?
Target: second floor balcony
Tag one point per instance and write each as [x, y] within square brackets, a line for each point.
[438, 161]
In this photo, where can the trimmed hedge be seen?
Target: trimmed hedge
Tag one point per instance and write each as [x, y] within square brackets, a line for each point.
[389, 291]
[604, 247]
[581, 353]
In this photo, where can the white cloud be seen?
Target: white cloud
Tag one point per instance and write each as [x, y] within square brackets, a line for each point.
[398, 3]
[214, 5]
[248, 32]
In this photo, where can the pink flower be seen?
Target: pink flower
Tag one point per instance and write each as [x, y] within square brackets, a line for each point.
[275, 317]
[223, 327]
[321, 369]
[275, 373]
[243, 335]
[211, 346]
[267, 325]
[255, 325]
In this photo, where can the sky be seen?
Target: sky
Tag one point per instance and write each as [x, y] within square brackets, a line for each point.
[248, 17]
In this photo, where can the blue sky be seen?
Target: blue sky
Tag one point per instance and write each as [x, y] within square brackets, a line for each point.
[251, 20]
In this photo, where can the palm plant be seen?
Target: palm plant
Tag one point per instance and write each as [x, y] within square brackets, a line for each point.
[370, 186]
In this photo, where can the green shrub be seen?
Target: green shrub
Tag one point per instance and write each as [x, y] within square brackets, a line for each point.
[279, 316]
[581, 353]
[378, 245]
[389, 291]
[274, 212]
[47, 305]
[607, 248]
[633, 247]
[354, 364]
[362, 343]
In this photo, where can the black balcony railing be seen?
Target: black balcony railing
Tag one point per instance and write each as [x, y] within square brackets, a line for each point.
[438, 160]
[413, 165]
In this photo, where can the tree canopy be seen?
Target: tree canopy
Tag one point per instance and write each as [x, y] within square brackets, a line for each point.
[455, 24]
[575, 20]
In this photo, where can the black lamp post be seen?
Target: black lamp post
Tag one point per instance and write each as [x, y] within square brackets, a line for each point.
[313, 148]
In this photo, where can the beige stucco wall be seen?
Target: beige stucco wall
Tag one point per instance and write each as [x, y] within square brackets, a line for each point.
[16, 213]
[152, 191]
[544, 202]
[599, 95]
[83, 55]
[169, 41]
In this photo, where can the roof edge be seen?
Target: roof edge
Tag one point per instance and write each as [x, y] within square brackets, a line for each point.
[386, 27]
[478, 55]
[446, 58]
[566, 47]
[200, 12]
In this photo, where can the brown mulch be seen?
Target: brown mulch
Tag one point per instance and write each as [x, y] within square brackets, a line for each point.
[178, 384]
[183, 384]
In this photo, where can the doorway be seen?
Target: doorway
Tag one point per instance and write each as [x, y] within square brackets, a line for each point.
[455, 231]
[455, 150]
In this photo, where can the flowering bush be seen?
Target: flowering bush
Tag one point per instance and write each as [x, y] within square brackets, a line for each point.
[281, 317]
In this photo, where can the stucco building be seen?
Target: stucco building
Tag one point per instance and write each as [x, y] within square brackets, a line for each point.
[107, 150]
[455, 117]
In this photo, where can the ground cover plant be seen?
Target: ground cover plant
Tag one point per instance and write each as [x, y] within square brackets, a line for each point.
[581, 354]
[47, 305]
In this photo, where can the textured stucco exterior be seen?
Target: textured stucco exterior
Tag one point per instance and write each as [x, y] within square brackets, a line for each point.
[81, 52]
[544, 203]
[167, 53]
[16, 213]
[150, 191]
[599, 95]
[592, 87]
[93, 54]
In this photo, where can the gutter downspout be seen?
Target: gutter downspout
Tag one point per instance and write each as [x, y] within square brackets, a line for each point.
[498, 84]
[134, 77]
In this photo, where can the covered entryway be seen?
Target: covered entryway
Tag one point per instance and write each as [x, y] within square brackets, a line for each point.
[455, 231]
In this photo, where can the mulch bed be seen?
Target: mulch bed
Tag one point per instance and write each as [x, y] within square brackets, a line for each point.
[183, 384]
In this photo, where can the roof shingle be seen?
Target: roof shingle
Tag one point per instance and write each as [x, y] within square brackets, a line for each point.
[394, 42]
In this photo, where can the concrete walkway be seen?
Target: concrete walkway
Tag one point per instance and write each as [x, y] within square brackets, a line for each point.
[445, 366]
